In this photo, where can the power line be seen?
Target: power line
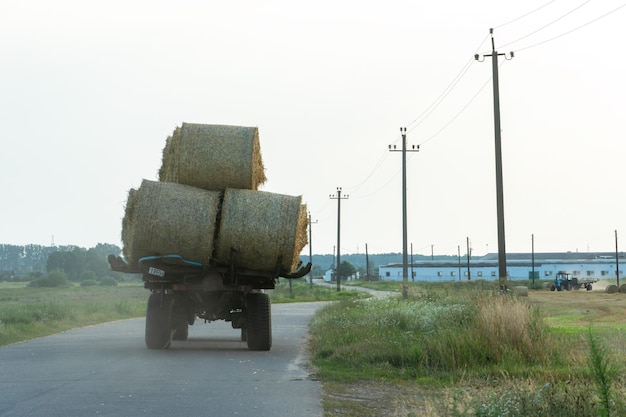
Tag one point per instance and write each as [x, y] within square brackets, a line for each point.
[524, 15]
[429, 110]
[545, 26]
[382, 159]
[460, 111]
[443, 95]
[573, 30]
[395, 174]
[445, 92]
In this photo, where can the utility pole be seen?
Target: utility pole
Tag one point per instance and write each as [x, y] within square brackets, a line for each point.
[616, 260]
[367, 264]
[338, 197]
[469, 255]
[458, 248]
[405, 272]
[311, 250]
[499, 183]
[532, 245]
[412, 273]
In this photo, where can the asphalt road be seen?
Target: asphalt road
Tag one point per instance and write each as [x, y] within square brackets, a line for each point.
[106, 370]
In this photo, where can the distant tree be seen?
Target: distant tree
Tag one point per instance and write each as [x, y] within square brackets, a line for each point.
[96, 262]
[108, 282]
[317, 271]
[88, 275]
[72, 263]
[77, 262]
[56, 278]
[106, 249]
[346, 269]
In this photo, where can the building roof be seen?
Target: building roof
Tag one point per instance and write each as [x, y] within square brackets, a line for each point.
[554, 256]
[519, 259]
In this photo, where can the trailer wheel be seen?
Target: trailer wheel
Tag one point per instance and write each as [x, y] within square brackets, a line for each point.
[589, 287]
[181, 331]
[159, 321]
[180, 318]
[258, 321]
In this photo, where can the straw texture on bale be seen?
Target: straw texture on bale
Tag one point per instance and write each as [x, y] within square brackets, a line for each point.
[165, 218]
[520, 291]
[611, 289]
[261, 226]
[213, 157]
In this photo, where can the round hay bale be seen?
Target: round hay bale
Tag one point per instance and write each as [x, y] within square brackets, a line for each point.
[164, 218]
[611, 289]
[213, 157]
[622, 288]
[262, 228]
[520, 291]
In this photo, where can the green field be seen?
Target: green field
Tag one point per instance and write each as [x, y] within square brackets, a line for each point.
[27, 312]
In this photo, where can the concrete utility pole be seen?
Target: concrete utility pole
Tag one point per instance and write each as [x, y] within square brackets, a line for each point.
[367, 264]
[469, 255]
[616, 260]
[405, 268]
[499, 183]
[311, 250]
[412, 273]
[532, 237]
[458, 248]
[338, 197]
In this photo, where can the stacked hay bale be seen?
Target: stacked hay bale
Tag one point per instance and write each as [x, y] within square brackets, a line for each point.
[207, 206]
[213, 157]
[261, 230]
[163, 218]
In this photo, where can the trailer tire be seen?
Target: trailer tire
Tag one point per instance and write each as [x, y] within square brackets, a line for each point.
[589, 287]
[258, 321]
[180, 318]
[159, 321]
[181, 331]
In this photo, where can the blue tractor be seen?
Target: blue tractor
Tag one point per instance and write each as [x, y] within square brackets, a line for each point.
[565, 281]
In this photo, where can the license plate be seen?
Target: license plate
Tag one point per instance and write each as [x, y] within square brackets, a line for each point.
[156, 272]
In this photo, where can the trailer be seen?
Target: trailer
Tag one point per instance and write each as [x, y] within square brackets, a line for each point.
[183, 291]
[565, 281]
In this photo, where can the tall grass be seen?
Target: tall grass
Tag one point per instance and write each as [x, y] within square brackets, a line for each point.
[26, 314]
[432, 334]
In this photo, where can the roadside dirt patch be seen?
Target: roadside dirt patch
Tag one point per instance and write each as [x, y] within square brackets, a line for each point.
[374, 399]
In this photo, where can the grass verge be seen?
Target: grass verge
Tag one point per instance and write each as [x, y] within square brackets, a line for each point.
[467, 350]
[27, 313]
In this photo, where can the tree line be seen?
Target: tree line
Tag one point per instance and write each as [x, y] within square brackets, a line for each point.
[56, 265]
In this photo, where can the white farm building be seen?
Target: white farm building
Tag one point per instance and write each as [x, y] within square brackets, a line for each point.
[601, 265]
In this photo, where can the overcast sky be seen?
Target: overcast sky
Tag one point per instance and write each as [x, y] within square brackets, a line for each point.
[89, 92]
